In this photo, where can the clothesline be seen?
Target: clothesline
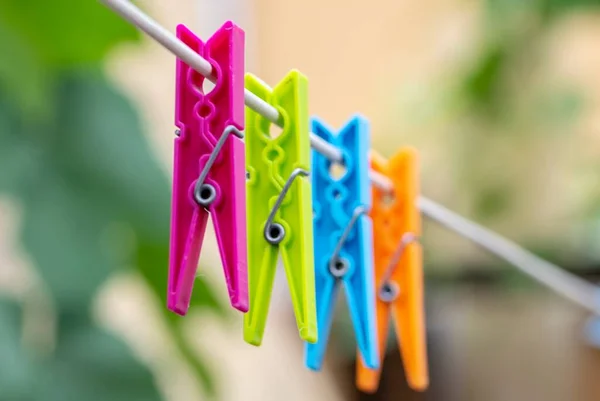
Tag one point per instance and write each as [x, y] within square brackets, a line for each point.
[579, 291]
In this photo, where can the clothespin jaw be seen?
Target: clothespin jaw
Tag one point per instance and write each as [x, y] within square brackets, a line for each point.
[343, 238]
[279, 205]
[398, 269]
[209, 167]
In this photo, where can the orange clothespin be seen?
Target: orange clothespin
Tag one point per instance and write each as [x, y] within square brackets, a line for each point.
[398, 270]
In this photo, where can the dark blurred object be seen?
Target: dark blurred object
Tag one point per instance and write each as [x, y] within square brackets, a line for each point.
[488, 344]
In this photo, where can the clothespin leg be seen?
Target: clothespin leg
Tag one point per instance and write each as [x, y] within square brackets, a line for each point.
[233, 215]
[255, 319]
[359, 285]
[298, 261]
[367, 380]
[189, 266]
[303, 301]
[409, 320]
[315, 353]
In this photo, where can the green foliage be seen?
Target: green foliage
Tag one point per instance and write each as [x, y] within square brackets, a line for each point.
[15, 366]
[87, 364]
[39, 38]
[555, 8]
[511, 40]
[66, 33]
[508, 106]
[483, 85]
[22, 76]
[94, 201]
[547, 9]
[491, 200]
[507, 126]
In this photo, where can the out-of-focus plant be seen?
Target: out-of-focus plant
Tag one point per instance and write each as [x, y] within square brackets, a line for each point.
[505, 127]
[73, 156]
[519, 120]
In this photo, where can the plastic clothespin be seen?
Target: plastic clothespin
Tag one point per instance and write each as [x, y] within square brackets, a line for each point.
[343, 239]
[398, 269]
[209, 167]
[279, 205]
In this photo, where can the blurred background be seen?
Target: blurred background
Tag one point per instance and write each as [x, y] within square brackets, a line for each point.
[501, 97]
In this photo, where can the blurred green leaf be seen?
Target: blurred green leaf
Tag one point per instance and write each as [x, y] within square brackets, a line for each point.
[87, 364]
[501, 12]
[99, 147]
[483, 83]
[93, 195]
[94, 198]
[97, 169]
[41, 37]
[499, 9]
[62, 230]
[22, 75]
[559, 108]
[18, 160]
[555, 8]
[86, 180]
[65, 33]
[512, 98]
[491, 201]
[16, 370]
[90, 364]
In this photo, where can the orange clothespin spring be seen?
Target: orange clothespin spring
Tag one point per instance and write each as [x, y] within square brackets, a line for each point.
[398, 270]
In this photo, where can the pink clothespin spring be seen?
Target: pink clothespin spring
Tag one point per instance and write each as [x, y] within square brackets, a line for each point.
[209, 167]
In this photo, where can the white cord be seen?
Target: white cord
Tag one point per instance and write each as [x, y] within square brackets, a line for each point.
[570, 286]
[564, 283]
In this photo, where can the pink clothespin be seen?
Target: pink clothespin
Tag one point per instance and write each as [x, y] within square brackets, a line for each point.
[209, 175]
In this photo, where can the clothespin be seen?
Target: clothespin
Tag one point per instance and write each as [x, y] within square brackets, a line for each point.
[209, 168]
[279, 205]
[343, 239]
[398, 269]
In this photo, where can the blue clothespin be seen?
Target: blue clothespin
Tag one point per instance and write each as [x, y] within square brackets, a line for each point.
[343, 239]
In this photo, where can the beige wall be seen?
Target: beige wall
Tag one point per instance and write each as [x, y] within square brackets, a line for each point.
[359, 55]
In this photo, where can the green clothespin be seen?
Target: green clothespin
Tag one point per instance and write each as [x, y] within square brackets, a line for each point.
[279, 205]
